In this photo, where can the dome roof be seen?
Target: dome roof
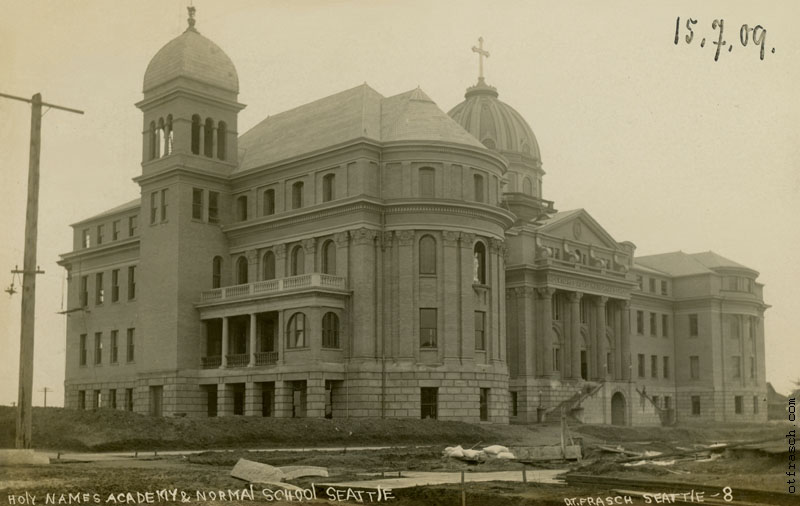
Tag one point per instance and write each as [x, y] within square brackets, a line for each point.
[496, 124]
[195, 57]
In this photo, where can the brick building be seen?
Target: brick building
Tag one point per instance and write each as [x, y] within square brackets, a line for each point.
[364, 255]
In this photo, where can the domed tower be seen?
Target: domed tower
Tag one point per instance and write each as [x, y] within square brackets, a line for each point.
[189, 150]
[503, 130]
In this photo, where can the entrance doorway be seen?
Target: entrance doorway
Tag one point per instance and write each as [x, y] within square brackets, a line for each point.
[618, 409]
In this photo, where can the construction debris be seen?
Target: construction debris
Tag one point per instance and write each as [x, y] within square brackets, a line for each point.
[292, 472]
[474, 456]
[545, 453]
[256, 472]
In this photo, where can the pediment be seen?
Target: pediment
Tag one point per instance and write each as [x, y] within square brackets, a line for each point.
[579, 226]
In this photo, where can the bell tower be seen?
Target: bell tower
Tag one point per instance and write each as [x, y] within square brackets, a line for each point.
[190, 106]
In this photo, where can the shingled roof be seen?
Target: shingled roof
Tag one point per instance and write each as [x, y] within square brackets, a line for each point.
[359, 112]
[678, 263]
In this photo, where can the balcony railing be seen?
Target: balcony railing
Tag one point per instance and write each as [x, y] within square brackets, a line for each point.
[238, 360]
[313, 280]
[211, 362]
[266, 357]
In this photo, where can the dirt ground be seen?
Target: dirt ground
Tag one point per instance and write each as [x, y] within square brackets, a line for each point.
[416, 445]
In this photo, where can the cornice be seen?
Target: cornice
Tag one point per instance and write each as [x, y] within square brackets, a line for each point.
[123, 245]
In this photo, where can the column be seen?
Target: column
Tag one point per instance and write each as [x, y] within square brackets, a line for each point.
[224, 342]
[280, 334]
[201, 137]
[601, 358]
[466, 296]
[546, 335]
[253, 339]
[449, 337]
[213, 142]
[252, 256]
[409, 340]
[525, 331]
[363, 287]
[310, 248]
[575, 332]
[280, 260]
[625, 339]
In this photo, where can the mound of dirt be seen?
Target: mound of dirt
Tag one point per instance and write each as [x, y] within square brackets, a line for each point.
[112, 430]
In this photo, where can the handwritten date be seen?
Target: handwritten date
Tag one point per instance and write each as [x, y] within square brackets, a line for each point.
[756, 35]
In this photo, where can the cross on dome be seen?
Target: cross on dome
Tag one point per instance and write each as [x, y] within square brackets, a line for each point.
[481, 54]
[191, 19]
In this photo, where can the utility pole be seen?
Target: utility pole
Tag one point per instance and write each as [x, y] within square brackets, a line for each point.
[29, 271]
[45, 390]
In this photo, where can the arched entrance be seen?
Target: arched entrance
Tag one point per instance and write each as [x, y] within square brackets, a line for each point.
[618, 409]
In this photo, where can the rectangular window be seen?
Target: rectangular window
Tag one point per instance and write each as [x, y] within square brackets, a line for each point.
[696, 405]
[213, 207]
[667, 402]
[640, 322]
[115, 230]
[640, 282]
[755, 404]
[666, 367]
[112, 399]
[478, 187]
[652, 285]
[653, 324]
[484, 404]
[738, 402]
[100, 234]
[428, 402]
[81, 399]
[130, 345]
[693, 327]
[114, 346]
[665, 325]
[737, 366]
[269, 202]
[427, 183]
[197, 204]
[83, 350]
[664, 288]
[297, 195]
[98, 348]
[654, 366]
[641, 365]
[480, 330]
[694, 367]
[84, 291]
[99, 292]
[98, 399]
[131, 282]
[133, 223]
[164, 204]
[558, 306]
[514, 406]
[153, 207]
[752, 328]
[128, 399]
[427, 327]
[115, 285]
[656, 400]
[752, 367]
[86, 238]
[556, 359]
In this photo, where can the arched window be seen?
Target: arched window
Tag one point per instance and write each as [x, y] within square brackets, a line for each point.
[269, 202]
[153, 140]
[296, 331]
[196, 134]
[297, 195]
[241, 271]
[216, 272]
[222, 132]
[170, 138]
[477, 183]
[160, 148]
[329, 258]
[298, 261]
[241, 208]
[479, 263]
[269, 266]
[427, 182]
[328, 188]
[208, 138]
[527, 186]
[556, 350]
[427, 255]
[330, 330]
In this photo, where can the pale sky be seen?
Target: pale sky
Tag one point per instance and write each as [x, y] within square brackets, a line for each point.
[662, 145]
